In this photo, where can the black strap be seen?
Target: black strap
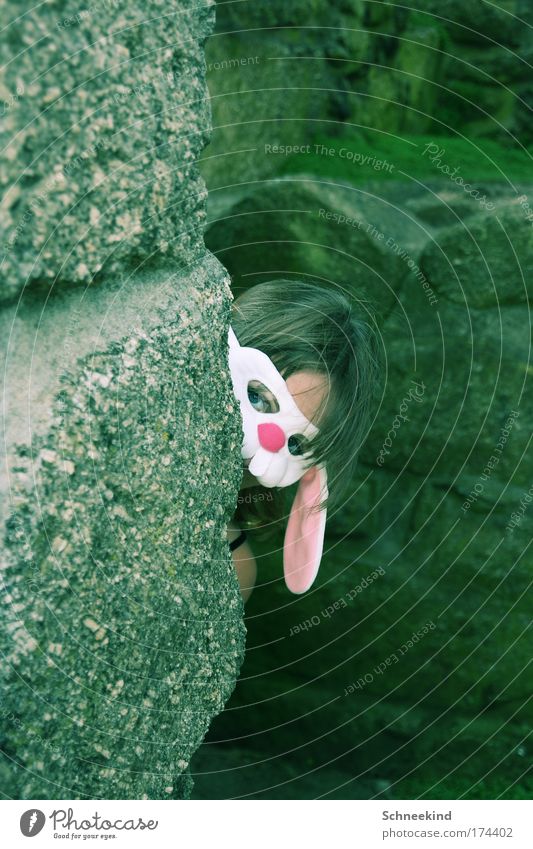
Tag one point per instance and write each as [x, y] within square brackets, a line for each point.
[238, 541]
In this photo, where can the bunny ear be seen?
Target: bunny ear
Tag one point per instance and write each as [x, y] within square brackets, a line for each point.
[304, 537]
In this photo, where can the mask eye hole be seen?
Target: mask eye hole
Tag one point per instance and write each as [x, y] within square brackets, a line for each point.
[297, 444]
[261, 398]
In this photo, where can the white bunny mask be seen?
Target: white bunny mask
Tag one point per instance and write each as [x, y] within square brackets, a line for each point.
[274, 444]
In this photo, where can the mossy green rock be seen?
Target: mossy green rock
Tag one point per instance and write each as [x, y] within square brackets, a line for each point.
[286, 73]
[327, 229]
[456, 391]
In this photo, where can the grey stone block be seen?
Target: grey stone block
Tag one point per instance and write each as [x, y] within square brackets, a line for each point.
[124, 628]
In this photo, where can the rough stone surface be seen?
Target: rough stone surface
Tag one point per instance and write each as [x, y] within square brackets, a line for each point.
[104, 121]
[124, 627]
[123, 619]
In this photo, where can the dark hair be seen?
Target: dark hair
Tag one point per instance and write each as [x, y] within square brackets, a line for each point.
[306, 326]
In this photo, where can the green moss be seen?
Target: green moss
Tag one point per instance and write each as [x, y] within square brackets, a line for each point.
[483, 160]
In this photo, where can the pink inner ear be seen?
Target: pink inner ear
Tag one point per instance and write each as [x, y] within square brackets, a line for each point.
[304, 537]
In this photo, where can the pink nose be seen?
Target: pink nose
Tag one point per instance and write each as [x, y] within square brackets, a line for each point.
[271, 437]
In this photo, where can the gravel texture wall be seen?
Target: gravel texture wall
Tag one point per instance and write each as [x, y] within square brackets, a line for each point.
[124, 633]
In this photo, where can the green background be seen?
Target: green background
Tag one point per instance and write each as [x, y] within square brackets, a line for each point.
[450, 719]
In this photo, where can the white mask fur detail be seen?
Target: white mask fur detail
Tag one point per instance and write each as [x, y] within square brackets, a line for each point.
[266, 435]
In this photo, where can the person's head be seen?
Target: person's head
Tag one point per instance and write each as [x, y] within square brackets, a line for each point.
[327, 356]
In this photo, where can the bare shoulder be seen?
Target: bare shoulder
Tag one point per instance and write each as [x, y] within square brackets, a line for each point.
[233, 531]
